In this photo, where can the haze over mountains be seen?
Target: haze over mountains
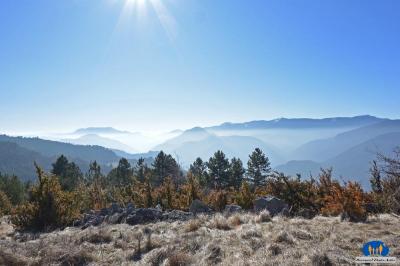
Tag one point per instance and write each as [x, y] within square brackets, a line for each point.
[347, 144]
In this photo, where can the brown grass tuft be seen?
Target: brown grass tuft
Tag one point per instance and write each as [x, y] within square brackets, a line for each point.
[79, 258]
[100, 237]
[263, 217]
[284, 237]
[235, 221]
[274, 249]
[219, 222]
[179, 259]
[11, 259]
[193, 225]
[321, 260]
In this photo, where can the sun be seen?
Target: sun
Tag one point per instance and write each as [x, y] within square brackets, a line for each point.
[138, 8]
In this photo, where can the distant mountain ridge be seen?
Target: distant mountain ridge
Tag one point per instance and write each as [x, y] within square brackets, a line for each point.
[323, 149]
[355, 121]
[99, 130]
[94, 139]
[352, 163]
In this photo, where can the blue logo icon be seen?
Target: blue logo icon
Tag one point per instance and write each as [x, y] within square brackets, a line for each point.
[375, 248]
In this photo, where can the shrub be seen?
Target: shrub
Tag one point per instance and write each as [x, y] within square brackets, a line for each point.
[348, 200]
[218, 199]
[245, 197]
[5, 204]
[48, 207]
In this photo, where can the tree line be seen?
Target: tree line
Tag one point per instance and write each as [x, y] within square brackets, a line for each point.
[59, 197]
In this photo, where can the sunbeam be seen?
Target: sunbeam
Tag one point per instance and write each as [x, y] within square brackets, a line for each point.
[138, 9]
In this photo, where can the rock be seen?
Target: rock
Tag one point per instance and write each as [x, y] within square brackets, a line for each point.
[232, 208]
[104, 212]
[285, 212]
[94, 221]
[306, 213]
[198, 206]
[115, 208]
[176, 215]
[116, 218]
[272, 204]
[351, 217]
[142, 216]
[373, 208]
[77, 223]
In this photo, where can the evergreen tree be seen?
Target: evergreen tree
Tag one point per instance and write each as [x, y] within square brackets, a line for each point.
[199, 170]
[376, 180]
[141, 169]
[122, 175]
[13, 188]
[218, 170]
[165, 166]
[68, 173]
[94, 174]
[236, 172]
[258, 168]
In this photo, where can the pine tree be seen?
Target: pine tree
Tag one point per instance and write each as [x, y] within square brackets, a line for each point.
[122, 175]
[199, 170]
[258, 168]
[68, 173]
[236, 172]
[141, 169]
[165, 165]
[218, 170]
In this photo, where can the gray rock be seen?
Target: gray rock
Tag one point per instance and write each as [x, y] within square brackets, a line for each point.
[306, 213]
[142, 216]
[350, 217]
[94, 221]
[176, 215]
[104, 212]
[232, 208]
[285, 212]
[272, 204]
[115, 208]
[116, 218]
[198, 206]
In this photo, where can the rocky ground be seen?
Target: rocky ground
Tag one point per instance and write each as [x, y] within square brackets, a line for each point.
[236, 239]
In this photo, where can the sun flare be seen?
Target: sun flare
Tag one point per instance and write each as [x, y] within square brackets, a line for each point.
[138, 9]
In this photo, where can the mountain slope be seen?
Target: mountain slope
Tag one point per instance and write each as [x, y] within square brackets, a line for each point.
[50, 148]
[323, 149]
[15, 160]
[352, 164]
[93, 139]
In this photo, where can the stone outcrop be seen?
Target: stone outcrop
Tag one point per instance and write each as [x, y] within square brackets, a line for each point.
[272, 204]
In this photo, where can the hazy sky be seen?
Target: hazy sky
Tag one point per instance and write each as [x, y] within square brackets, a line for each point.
[165, 64]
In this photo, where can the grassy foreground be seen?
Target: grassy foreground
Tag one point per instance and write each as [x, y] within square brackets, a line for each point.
[241, 239]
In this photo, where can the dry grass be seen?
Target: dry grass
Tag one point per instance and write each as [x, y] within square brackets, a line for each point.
[241, 239]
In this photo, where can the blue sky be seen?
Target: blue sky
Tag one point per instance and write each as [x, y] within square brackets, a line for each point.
[166, 64]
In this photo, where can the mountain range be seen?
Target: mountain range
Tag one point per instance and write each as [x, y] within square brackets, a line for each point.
[300, 145]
